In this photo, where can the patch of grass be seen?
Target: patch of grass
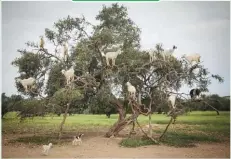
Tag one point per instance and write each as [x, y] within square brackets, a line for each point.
[36, 140]
[199, 124]
[218, 129]
[11, 115]
[136, 142]
[180, 139]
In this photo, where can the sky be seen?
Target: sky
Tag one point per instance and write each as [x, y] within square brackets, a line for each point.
[194, 27]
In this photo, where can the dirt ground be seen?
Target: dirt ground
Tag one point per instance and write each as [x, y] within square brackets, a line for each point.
[100, 147]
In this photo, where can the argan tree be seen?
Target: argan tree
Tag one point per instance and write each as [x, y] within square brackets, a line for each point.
[94, 80]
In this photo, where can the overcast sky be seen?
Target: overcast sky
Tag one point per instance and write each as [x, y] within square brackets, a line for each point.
[202, 27]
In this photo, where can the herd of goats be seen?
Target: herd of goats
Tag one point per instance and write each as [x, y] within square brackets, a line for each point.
[111, 55]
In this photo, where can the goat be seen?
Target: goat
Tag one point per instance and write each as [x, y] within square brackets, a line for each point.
[65, 51]
[195, 93]
[169, 52]
[131, 90]
[69, 74]
[151, 54]
[111, 56]
[46, 148]
[193, 57]
[41, 43]
[77, 140]
[172, 100]
[27, 82]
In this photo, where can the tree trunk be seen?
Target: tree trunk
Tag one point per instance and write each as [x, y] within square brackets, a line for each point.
[121, 123]
[166, 129]
[64, 119]
[213, 108]
[150, 119]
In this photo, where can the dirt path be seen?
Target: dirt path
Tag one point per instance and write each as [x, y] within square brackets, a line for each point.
[103, 147]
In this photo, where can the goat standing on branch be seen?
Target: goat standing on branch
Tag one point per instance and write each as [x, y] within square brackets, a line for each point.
[111, 56]
[169, 52]
[195, 93]
[151, 55]
[131, 90]
[69, 75]
[41, 45]
[172, 101]
[193, 57]
[27, 82]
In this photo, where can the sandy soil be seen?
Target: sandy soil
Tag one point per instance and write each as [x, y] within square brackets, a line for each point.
[98, 146]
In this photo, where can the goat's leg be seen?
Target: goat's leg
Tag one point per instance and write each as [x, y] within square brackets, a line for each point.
[107, 61]
[47, 151]
[26, 88]
[129, 94]
[65, 57]
[72, 79]
[113, 62]
[68, 80]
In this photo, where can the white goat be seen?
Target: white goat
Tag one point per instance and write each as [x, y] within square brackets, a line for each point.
[41, 43]
[172, 100]
[196, 71]
[69, 74]
[193, 57]
[65, 51]
[46, 148]
[131, 90]
[151, 54]
[27, 82]
[77, 140]
[169, 52]
[111, 56]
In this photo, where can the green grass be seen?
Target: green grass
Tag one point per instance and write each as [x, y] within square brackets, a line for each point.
[36, 140]
[136, 142]
[181, 139]
[201, 126]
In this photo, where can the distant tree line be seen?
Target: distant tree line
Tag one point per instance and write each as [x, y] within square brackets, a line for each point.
[40, 107]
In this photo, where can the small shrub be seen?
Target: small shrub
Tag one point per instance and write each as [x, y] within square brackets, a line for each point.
[185, 140]
[136, 142]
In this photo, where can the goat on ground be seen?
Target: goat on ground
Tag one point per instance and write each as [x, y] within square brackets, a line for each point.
[46, 148]
[77, 140]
